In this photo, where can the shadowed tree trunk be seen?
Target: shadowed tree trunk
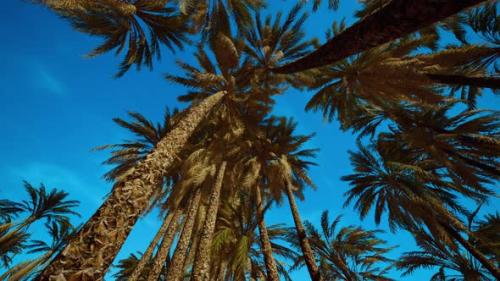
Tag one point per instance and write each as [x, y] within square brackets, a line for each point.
[396, 19]
[176, 268]
[301, 234]
[459, 80]
[149, 251]
[164, 249]
[92, 250]
[194, 243]
[201, 269]
[267, 250]
[488, 265]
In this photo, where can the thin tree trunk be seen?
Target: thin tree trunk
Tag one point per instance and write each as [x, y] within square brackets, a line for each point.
[301, 233]
[460, 80]
[194, 244]
[267, 250]
[149, 251]
[163, 251]
[473, 251]
[176, 268]
[396, 19]
[92, 250]
[201, 269]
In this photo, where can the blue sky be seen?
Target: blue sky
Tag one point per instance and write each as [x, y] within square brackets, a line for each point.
[56, 105]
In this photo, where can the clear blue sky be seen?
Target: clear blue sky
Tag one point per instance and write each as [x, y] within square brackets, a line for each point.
[56, 105]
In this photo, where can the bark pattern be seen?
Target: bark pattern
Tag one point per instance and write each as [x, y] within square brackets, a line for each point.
[166, 243]
[92, 250]
[267, 250]
[176, 270]
[201, 270]
[149, 251]
[396, 19]
[301, 233]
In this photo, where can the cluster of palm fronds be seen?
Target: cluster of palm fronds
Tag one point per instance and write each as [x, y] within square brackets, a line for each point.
[215, 169]
[16, 219]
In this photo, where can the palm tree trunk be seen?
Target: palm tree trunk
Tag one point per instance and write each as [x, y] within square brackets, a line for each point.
[473, 251]
[267, 250]
[301, 233]
[460, 80]
[201, 270]
[163, 251]
[176, 268]
[149, 251]
[194, 244]
[94, 247]
[396, 19]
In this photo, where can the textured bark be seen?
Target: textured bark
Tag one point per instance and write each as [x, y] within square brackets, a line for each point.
[267, 250]
[176, 268]
[201, 269]
[149, 251]
[166, 243]
[495, 271]
[460, 80]
[301, 233]
[92, 250]
[396, 19]
[194, 244]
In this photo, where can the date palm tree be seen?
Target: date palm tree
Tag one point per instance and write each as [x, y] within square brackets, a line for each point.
[434, 253]
[59, 232]
[275, 157]
[395, 19]
[128, 200]
[42, 204]
[137, 27]
[407, 187]
[347, 253]
[236, 242]
[391, 75]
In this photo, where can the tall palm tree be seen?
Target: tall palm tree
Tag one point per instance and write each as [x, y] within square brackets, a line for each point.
[237, 243]
[396, 19]
[393, 74]
[434, 253]
[126, 23]
[50, 205]
[202, 260]
[407, 187]
[275, 157]
[347, 253]
[59, 232]
[128, 200]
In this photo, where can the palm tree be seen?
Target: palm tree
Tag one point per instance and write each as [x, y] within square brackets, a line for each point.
[274, 157]
[51, 206]
[396, 19]
[60, 232]
[9, 210]
[464, 143]
[128, 200]
[348, 253]
[407, 187]
[208, 16]
[126, 23]
[390, 75]
[236, 242]
[202, 260]
[434, 253]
